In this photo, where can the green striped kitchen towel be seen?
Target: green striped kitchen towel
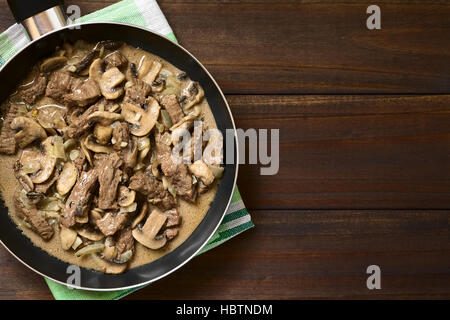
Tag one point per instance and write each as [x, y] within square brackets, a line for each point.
[144, 13]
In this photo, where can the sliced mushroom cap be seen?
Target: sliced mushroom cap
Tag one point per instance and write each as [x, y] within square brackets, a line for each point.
[109, 267]
[109, 83]
[105, 118]
[96, 69]
[30, 161]
[202, 171]
[29, 131]
[103, 134]
[53, 63]
[142, 120]
[191, 94]
[149, 70]
[51, 116]
[91, 144]
[47, 161]
[67, 178]
[126, 196]
[90, 234]
[140, 216]
[67, 237]
[147, 235]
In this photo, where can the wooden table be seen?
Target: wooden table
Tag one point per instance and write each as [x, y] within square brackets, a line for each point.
[364, 119]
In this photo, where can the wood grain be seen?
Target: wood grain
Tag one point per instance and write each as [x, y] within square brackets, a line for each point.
[350, 151]
[364, 119]
[292, 47]
[300, 254]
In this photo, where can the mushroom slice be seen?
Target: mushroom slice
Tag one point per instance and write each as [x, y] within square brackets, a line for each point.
[140, 216]
[29, 131]
[126, 196]
[91, 144]
[67, 178]
[52, 63]
[96, 69]
[51, 116]
[103, 134]
[90, 234]
[202, 171]
[149, 70]
[67, 236]
[142, 120]
[109, 267]
[105, 118]
[191, 94]
[109, 83]
[47, 160]
[147, 235]
[86, 152]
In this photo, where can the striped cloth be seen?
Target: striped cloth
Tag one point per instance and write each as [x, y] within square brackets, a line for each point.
[144, 13]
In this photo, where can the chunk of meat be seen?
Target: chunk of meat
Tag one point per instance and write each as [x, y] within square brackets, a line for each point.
[37, 89]
[112, 222]
[67, 89]
[80, 161]
[171, 233]
[170, 102]
[125, 240]
[35, 218]
[136, 91]
[43, 187]
[7, 140]
[109, 178]
[153, 189]
[83, 93]
[120, 136]
[115, 59]
[81, 124]
[173, 218]
[60, 84]
[178, 175]
[77, 204]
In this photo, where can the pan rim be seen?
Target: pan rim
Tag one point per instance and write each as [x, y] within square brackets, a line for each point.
[236, 141]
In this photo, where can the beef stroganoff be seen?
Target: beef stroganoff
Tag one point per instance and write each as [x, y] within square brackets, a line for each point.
[87, 142]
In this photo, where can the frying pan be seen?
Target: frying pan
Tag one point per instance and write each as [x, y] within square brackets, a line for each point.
[39, 18]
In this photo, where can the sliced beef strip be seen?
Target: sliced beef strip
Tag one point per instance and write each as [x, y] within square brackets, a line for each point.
[147, 185]
[37, 89]
[112, 222]
[173, 218]
[115, 59]
[137, 92]
[170, 102]
[43, 187]
[83, 93]
[125, 240]
[67, 89]
[177, 174]
[171, 233]
[60, 84]
[35, 218]
[78, 200]
[109, 178]
[80, 161]
[80, 125]
[7, 140]
[121, 133]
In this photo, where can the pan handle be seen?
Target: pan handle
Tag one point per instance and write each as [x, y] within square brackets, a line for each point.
[38, 16]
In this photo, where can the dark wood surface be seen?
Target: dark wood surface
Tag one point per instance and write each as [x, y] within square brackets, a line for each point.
[364, 119]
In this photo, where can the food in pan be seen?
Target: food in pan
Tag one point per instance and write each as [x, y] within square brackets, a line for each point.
[87, 167]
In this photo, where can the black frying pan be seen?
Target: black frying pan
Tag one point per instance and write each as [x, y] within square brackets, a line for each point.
[19, 66]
